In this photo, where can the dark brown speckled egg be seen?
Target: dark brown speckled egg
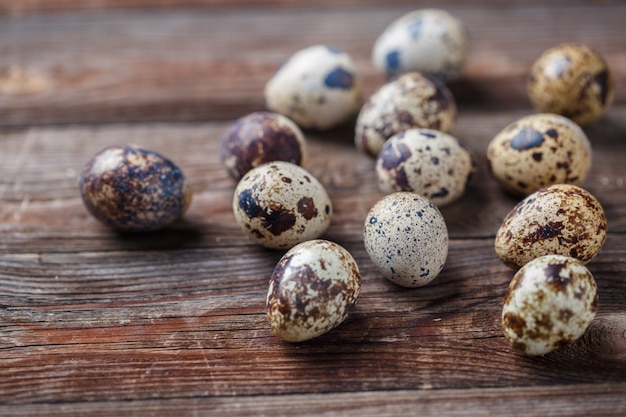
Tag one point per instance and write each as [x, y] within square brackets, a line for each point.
[312, 290]
[572, 80]
[550, 303]
[261, 137]
[561, 219]
[133, 189]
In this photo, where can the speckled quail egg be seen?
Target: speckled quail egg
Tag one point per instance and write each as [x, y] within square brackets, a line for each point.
[406, 238]
[537, 151]
[561, 219]
[428, 162]
[410, 101]
[319, 87]
[312, 290]
[430, 41]
[550, 302]
[573, 80]
[280, 204]
[258, 138]
[133, 189]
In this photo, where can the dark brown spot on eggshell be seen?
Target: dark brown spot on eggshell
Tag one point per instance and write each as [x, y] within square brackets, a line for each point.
[306, 207]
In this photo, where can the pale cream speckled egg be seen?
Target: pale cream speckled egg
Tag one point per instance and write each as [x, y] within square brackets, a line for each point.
[573, 80]
[428, 162]
[537, 151]
[560, 219]
[312, 290]
[318, 87]
[550, 302]
[410, 101]
[406, 238]
[280, 204]
[430, 41]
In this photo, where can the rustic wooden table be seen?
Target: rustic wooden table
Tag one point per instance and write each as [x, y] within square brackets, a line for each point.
[173, 322]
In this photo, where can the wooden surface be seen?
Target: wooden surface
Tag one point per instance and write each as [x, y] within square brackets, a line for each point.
[173, 322]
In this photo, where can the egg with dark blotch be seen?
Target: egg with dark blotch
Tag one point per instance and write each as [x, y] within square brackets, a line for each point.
[561, 219]
[133, 189]
[430, 41]
[550, 303]
[537, 151]
[572, 80]
[280, 204]
[406, 238]
[258, 138]
[410, 101]
[318, 87]
[312, 290]
[425, 161]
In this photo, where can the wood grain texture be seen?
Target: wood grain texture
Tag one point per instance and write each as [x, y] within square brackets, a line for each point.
[171, 323]
[37, 6]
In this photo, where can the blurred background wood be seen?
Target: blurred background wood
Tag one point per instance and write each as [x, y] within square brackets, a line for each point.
[173, 322]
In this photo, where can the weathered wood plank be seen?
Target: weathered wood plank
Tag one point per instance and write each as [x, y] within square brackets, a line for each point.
[205, 64]
[29, 6]
[561, 400]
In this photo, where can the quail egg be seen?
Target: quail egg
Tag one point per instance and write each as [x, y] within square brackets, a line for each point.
[573, 80]
[428, 162]
[537, 151]
[410, 101]
[430, 41]
[319, 87]
[312, 290]
[280, 204]
[550, 302]
[258, 138]
[133, 189]
[406, 238]
[561, 219]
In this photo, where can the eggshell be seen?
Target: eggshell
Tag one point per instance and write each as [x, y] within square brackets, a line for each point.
[319, 87]
[427, 162]
[537, 151]
[573, 80]
[430, 41]
[258, 138]
[410, 101]
[406, 238]
[280, 204]
[550, 302]
[133, 189]
[312, 290]
[560, 219]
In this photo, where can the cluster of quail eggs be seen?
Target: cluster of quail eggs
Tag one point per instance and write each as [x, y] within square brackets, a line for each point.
[557, 227]
[280, 205]
[406, 127]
